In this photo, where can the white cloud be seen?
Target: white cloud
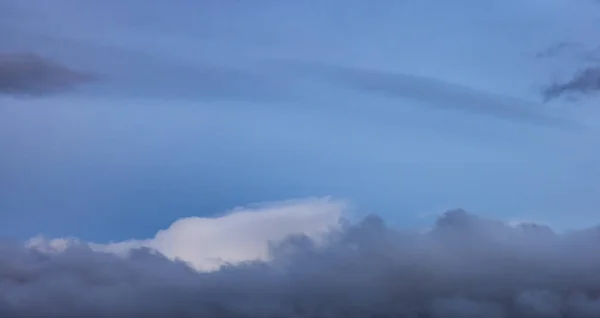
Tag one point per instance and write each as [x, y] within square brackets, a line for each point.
[243, 234]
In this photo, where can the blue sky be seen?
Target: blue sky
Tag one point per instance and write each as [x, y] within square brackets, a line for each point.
[404, 108]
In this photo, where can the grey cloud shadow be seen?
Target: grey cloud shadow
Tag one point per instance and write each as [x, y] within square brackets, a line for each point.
[28, 74]
[429, 91]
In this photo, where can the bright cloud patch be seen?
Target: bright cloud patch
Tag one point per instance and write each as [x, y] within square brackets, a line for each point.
[243, 234]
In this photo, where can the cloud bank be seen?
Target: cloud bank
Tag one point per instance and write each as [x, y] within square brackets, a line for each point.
[465, 266]
[27, 74]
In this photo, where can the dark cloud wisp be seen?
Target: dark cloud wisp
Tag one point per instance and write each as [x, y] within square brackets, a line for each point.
[464, 267]
[585, 82]
[27, 74]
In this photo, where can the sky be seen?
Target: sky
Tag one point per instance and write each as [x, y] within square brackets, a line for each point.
[262, 156]
[149, 112]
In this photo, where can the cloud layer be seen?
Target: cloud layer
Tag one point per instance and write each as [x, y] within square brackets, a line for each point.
[465, 266]
[31, 75]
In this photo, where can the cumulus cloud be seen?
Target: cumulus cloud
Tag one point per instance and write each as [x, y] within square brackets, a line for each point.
[32, 75]
[465, 266]
[584, 82]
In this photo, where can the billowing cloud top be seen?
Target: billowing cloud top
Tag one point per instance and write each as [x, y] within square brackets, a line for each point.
[465, 266]
[30, 74]
[208, 243]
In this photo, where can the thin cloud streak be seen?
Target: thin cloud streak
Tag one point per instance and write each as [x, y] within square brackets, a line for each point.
[431, 92]
[139, 74]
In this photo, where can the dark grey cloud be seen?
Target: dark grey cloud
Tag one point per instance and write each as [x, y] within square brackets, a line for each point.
[431, 92]
[465, 266]
[32, 75]
[584, 82]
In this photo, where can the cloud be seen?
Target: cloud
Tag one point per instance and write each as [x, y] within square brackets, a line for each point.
[432, 92]
[242, 235]
[31, 75]
[586, 82]
[135, 72]
[465, 266]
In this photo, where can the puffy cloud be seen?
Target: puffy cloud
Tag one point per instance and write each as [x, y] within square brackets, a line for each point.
[465, 266]
[30, 74]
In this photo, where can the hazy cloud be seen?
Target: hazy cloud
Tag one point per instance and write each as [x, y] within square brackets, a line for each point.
[465, 266]
[432, 92]
[30, 74]
[586, 82]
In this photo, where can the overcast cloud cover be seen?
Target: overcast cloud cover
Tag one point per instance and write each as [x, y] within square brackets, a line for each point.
[128, 127]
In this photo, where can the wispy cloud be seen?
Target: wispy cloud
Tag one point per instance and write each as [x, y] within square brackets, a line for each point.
[558, 49]
[431, 92]
[584, 82]
[33, 75]
[126, 72]
[465, 266]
